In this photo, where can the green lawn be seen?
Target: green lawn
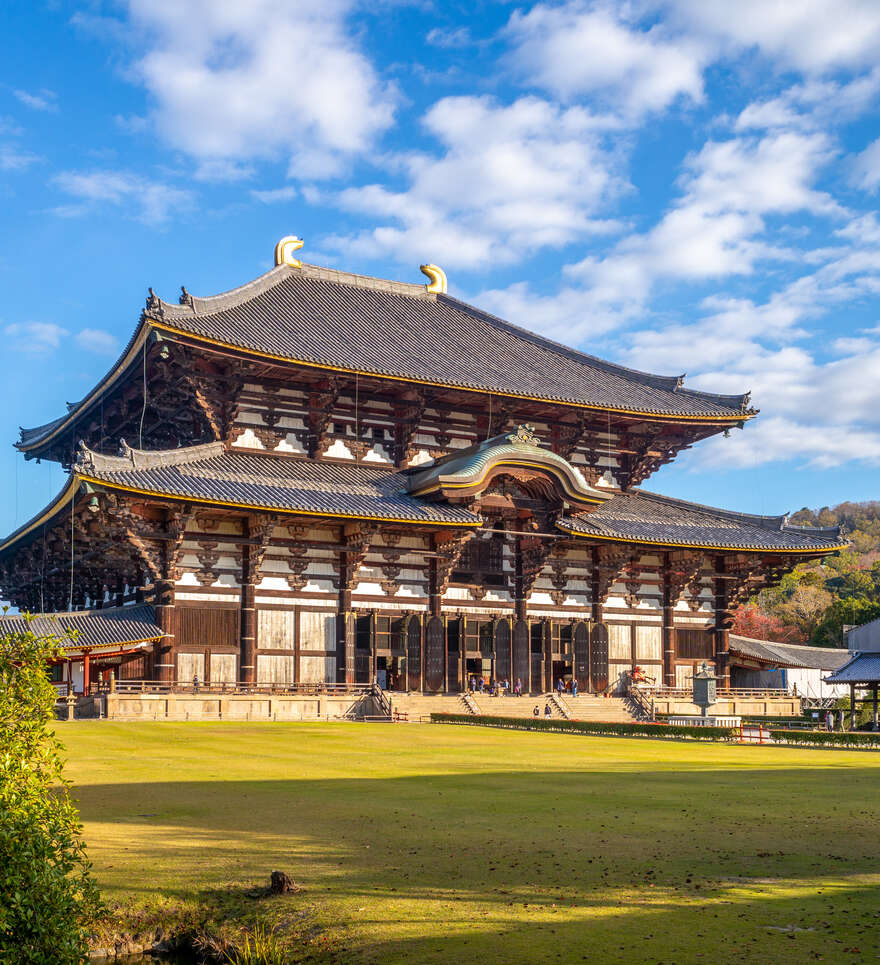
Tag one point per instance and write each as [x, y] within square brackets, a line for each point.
[431, 843]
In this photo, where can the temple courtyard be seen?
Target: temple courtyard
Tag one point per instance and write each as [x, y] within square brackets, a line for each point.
[433, 843]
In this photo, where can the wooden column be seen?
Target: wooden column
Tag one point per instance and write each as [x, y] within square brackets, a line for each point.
[722, 633]
[547, 644]
[247, 661]
[519, 595]
[163, 650]
[86, 678]
[668, 626]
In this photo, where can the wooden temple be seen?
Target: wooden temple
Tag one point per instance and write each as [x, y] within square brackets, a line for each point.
[322, 477]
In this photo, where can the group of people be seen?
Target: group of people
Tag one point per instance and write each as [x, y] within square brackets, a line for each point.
[501, 688]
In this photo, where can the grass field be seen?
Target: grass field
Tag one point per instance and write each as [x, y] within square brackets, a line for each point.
[431, 843]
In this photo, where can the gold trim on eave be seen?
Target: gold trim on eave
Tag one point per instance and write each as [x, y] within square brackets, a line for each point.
[274, 509]
[704, 546]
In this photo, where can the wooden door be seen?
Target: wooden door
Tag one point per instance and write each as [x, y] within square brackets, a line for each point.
[599, 657]
[521, 654]
[435, 654]
[502, 649]
[414, 653]
[580, 646]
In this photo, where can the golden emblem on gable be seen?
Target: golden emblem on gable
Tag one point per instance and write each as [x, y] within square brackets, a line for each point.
[524, 436]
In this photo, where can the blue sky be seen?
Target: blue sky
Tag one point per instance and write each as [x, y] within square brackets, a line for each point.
[681, 186]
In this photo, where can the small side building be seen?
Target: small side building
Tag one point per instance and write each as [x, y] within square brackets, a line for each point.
[795, 669]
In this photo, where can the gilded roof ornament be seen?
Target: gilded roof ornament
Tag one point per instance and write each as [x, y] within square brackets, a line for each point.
[284, 251]
[436, 279]
[524, 436]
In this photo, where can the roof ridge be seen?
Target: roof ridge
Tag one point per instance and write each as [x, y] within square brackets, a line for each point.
[87, 460]
[755, 518]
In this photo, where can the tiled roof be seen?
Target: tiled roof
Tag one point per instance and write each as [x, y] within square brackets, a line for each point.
[213, 474]
[119, 626]
[863, 668]
[789, 655]
[336, 319]
[641, 517]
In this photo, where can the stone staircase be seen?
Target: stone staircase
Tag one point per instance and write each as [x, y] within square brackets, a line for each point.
[517, 706]
[605, 709]
[416, 707]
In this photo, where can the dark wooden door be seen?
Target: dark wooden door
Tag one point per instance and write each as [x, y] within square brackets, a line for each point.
[537, 670]
[414, 653]
[599, 657]
[580, 639]
[502, 649]
[521, 654]
[435, 654]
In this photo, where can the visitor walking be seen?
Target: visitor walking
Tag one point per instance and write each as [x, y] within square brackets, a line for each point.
[560, 687]
[574, 687]
[517, 687]
[537, 711]
[547, 711]
[196, 684]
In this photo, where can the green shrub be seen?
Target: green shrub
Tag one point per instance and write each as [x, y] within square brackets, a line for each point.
[826, 737]
[589, 726]
[47, 899]
[260, 947]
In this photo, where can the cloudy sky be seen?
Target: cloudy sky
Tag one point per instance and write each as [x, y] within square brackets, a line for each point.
[684, 186]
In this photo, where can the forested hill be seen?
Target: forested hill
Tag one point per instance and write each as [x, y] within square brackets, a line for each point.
[862, 522]
[815, 602]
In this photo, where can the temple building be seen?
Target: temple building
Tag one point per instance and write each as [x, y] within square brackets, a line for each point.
[322, 477]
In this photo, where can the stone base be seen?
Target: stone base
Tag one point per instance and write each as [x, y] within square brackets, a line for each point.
[701, 721]
[240, 707]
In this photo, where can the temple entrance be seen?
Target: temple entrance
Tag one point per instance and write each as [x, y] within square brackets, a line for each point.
[435, 654]
[581, 649]
[599, 658]
[362, 640]
[479, 668]
[562, 671]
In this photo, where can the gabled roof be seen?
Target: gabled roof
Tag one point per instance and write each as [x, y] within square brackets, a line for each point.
[466, 470]
[636, 516]
[114, 628]
[342, 322]
[788, 654]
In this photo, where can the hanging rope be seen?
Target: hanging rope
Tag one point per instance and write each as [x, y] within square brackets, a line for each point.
[70, 596]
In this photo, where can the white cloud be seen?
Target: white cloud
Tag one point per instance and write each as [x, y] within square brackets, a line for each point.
[508, 181]
[35, 337]
[244, 81]
[97, 340]
[150, 201]
[15, 159]
[449, 37]
[44, 100]
[580, 48]
[271, 195]
[813, 36]
[716, 229]
[866, 168]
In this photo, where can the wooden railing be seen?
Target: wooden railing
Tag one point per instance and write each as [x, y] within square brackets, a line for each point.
[642, 703]
[685, 693]
[231, 689]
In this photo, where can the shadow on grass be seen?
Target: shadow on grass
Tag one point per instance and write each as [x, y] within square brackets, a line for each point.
[729, 866]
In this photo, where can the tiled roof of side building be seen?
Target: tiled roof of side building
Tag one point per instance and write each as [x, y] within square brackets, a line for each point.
[789, 654]
[354, 323]
[862, 668]
[89, 628]
[641, 517]
[213, 474]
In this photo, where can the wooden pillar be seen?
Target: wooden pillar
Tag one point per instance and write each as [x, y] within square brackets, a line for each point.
[852, 706]
[722, 633]
[163, 650]
[668, 626]
[86, 677]
[247, 663]
[519, 596]
[547, 645]
[345, 626]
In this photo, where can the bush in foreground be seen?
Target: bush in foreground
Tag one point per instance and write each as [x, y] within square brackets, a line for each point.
[590, 726]
[47, 898]
[848, 738]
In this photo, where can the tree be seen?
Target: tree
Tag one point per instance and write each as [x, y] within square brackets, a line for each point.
[752, 621]
[805, 608]
[47, 898]
[853, 611]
